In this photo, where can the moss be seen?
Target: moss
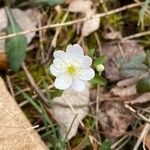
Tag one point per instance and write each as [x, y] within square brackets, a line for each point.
[91, 41]
[116, 21]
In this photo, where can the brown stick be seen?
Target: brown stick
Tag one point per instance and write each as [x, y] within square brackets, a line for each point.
[72, 22]
[34, 85]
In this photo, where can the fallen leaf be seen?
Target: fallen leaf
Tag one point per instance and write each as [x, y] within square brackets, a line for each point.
[127, 82]
[114, 118]
[147, 140]
[85, 7]
[124, 92]
[113, 52]
[110, 34]
[3, 61]
[140, 99]
[16, 131]
[91, 25]
[65, 115]
[80, 6]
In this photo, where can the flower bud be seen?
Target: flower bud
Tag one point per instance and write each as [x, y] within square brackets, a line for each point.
[100, 68]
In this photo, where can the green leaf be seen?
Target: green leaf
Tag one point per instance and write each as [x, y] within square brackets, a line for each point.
[142, 12]
[91, 52]
[48, 2]
[147, 59]
[134, 67]
[143, 85]
[106, 145]
[99, 60]
[15, 46]
[98, 80]
[57, 93]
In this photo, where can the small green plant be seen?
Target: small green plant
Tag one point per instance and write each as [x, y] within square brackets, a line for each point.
[15, 46]
[137, 66]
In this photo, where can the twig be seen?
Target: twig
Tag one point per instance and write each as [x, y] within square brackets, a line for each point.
[75, 112]
[34, 86]
[10, 85]
[114, 146]
[70, 127]
[41, 39]
[120, 147]
[137, 113]
[75, 106]
[54, 41]
[72, 22]
[135, 36]
[142, 136]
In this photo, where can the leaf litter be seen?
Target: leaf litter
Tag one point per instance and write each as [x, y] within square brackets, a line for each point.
[113, 116]
[66, 116]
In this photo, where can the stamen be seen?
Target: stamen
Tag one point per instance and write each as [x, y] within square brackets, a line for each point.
[71, 70]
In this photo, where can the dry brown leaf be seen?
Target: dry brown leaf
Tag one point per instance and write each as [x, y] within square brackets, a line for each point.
[80, 6]
[141, 99]
[91, 25]
[3, 61]
[16, 132]
[127, 82]
[110, 34]
[124, 92]
[85, 7]
[65, 115]
[147, 141]
[127, 89]
[128, 49]
[114, 118]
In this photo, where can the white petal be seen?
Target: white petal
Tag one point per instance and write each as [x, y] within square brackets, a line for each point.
[78, 85]
[59, 54]
[87, 74]
[86, 62]
[75, 50]
[59, 64]
[55, 71]
[63, 82]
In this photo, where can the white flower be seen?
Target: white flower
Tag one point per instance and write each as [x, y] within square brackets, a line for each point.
[71, 68]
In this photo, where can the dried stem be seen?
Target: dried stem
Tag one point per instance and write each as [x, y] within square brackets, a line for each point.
[142, 136]
[72, 22]
[34, 86]
[135, 36]
[136, 113]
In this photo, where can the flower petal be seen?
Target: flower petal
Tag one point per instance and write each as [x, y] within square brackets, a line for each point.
[86, 62]
[63, 82]
[78, 85]
[75, 50]
[59, 54]
[86, 74]
[56, 72]
[59, 64]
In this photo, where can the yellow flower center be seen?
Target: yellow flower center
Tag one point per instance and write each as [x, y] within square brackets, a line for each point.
[71, 70]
